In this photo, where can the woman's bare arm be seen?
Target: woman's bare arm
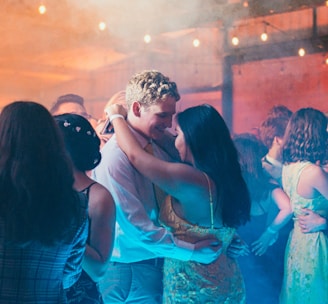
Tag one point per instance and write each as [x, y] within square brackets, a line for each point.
[102, 230]
[270, 235]
[177, 179]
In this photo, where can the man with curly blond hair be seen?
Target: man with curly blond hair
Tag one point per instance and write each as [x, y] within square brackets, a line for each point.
[135, 272]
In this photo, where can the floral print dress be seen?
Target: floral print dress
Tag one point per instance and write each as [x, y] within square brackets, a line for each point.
[306, 257]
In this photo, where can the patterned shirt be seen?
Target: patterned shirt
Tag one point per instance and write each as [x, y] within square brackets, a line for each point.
[35, 273]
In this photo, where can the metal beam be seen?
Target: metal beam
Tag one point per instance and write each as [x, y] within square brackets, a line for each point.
[278, 50]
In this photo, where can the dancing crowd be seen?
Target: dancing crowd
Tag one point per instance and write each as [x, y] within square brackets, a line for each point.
[128, 209]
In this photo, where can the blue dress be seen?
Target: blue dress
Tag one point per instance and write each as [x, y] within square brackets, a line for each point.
[262, 274]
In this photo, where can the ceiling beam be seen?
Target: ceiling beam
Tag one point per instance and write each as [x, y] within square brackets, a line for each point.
[279, 50]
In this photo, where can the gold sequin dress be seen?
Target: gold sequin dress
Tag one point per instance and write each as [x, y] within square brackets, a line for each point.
[192, 282]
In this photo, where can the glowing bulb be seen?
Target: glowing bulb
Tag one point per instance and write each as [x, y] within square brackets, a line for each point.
[245, 4]
[42, 9]
[326, 3]
[235, 40]
[102, 26]
[264, 36]
[326, 61]
[196, 42]
[301, 52]
[147, 38]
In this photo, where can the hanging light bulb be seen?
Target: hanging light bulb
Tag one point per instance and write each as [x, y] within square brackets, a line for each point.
[196, 42]
[147, 38]
[235, 40]
[42, 9]
[264, 36]
[301, 52]
[102, 25]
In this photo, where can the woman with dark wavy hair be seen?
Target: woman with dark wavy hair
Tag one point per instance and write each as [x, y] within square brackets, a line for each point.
[207, 197]
[83, 144]
[306, 183]
[270, 212]
[43, 220]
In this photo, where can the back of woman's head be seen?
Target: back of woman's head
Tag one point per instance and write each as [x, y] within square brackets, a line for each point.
[209, 140]
[81, 141]
[37, 201]
[206, 134]
[251, 150]
[306, 137]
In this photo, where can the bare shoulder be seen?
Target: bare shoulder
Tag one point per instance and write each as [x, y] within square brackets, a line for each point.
[100, 198]
[278, 193]
[312, 172]
[313, 178]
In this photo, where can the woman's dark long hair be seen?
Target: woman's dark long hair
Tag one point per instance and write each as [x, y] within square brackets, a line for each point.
[214, 153]
[37, 200]
[251, 150]
[306, 137]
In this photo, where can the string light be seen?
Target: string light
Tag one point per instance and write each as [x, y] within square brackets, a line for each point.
[264, 35]
[147, 38]
[102, 25]
[196, 42]
[235, 40]
[301, 52]
[42, 9]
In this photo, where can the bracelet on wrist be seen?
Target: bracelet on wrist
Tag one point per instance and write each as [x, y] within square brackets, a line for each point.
[112, 117]
[270, 230]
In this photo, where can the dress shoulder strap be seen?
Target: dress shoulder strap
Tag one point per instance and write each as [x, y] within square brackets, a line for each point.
[211, 200]
[86, 190]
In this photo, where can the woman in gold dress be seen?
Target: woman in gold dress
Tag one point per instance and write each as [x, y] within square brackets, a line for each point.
[206, 196]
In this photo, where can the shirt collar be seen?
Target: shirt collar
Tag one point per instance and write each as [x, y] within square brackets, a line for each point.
[273, 161]
[140, 138]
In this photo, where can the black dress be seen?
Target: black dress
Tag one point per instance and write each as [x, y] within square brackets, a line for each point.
[85, 290]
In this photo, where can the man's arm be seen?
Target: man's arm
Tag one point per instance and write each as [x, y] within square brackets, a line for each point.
[313, 179]
[237, 248]
[311, 222]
